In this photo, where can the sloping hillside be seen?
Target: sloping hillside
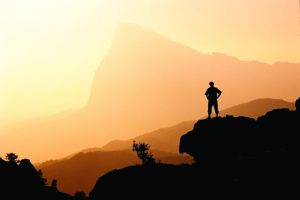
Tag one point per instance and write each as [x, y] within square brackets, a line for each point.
[167, 139]
[80, 172]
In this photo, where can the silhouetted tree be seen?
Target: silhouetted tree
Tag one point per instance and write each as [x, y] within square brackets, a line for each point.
[40, 174]
[12, 157]
[80, 195]
[142, 150]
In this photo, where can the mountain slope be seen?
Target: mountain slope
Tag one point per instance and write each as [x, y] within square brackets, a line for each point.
[145, 82]
[167, 139]
[80, 172]
[257, 107]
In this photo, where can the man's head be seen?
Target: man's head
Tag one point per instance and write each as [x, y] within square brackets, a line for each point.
[211, 84]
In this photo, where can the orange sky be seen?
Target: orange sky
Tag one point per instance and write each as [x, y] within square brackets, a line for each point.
[50, 49]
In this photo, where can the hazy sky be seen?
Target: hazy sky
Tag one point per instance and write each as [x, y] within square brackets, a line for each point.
[50, 49]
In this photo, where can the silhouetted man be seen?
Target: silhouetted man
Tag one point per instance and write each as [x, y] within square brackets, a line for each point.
[212, 94]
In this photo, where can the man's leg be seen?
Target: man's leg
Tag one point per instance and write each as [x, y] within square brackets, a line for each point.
[216, 108]
[209, 108]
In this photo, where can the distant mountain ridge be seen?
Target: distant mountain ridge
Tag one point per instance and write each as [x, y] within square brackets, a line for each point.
[257, 107]
[167, 139]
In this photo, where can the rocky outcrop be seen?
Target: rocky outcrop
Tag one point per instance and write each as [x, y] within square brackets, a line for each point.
[21, 181]
[238, 138]
[255, 153]
[159, 181]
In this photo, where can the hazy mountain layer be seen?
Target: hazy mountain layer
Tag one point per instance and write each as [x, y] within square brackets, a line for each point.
[146, 82]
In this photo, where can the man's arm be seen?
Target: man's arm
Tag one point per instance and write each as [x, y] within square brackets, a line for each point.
[219, 93]
[206, 94]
